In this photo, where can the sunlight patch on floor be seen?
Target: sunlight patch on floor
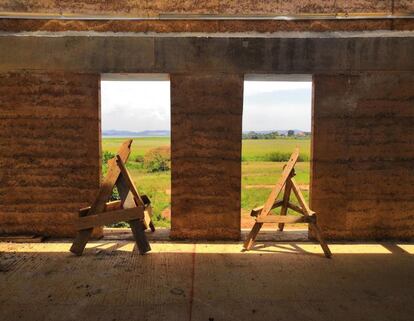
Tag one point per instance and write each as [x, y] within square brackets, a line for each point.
[213, 247]
[409, 248]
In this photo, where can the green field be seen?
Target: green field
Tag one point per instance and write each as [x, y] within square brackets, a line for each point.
[257, 175]
[257, 149]
[140, 145]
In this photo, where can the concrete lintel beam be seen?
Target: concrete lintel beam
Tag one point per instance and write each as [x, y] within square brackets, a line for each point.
[244, 55]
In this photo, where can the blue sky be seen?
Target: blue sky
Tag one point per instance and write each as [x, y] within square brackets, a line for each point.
[145, 105]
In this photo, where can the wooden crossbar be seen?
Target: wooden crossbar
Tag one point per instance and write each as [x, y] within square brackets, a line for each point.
[286, 219]
[258, 210]
[288, 183]
[298, 209]
[287, 205]
[110, 206]
[111, 217]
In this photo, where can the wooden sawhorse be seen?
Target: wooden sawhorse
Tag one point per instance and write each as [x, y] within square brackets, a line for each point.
[289, 184]
[132, 207]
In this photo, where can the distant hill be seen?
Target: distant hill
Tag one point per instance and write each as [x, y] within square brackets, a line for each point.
[280, 132]
[166, 133]
[127, 133]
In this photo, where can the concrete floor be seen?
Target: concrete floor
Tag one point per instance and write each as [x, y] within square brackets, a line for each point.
[215, 281]
[266, 234]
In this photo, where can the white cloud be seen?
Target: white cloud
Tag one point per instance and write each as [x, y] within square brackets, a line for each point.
[145, 105]
[255, 87]
[135, 105]
[277, 105]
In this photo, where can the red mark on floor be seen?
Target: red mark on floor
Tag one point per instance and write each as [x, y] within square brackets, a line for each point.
[192, 283]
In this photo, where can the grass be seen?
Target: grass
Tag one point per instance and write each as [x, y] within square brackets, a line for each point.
[264, 175]
[139, 147]
[258, 173]
[260, 149]
[156, 186]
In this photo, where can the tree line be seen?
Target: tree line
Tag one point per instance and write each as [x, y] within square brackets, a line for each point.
[274, 135]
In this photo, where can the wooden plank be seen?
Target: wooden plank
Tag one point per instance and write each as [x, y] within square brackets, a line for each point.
[281, 182]
[137, 226]
[285, 219]
[129, 182]
[301, 199]
[286, 196]
[148, 220]
[307, 211]
[290, 184]
[146, 200]
[321, 241]
[138, 230]
[295, 208]
[114, 171]
[252, 236]
[138, 199]
[103, 196]
[257, 210]
[272, 198]
[147, 217]
[110, 206]
[298, 209]
[111, 217]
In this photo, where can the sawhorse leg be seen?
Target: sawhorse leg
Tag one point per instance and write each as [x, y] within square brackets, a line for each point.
[137, 226]
[252, 236]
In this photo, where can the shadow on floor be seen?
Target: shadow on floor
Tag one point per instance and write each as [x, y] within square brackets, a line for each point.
[207, 281]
